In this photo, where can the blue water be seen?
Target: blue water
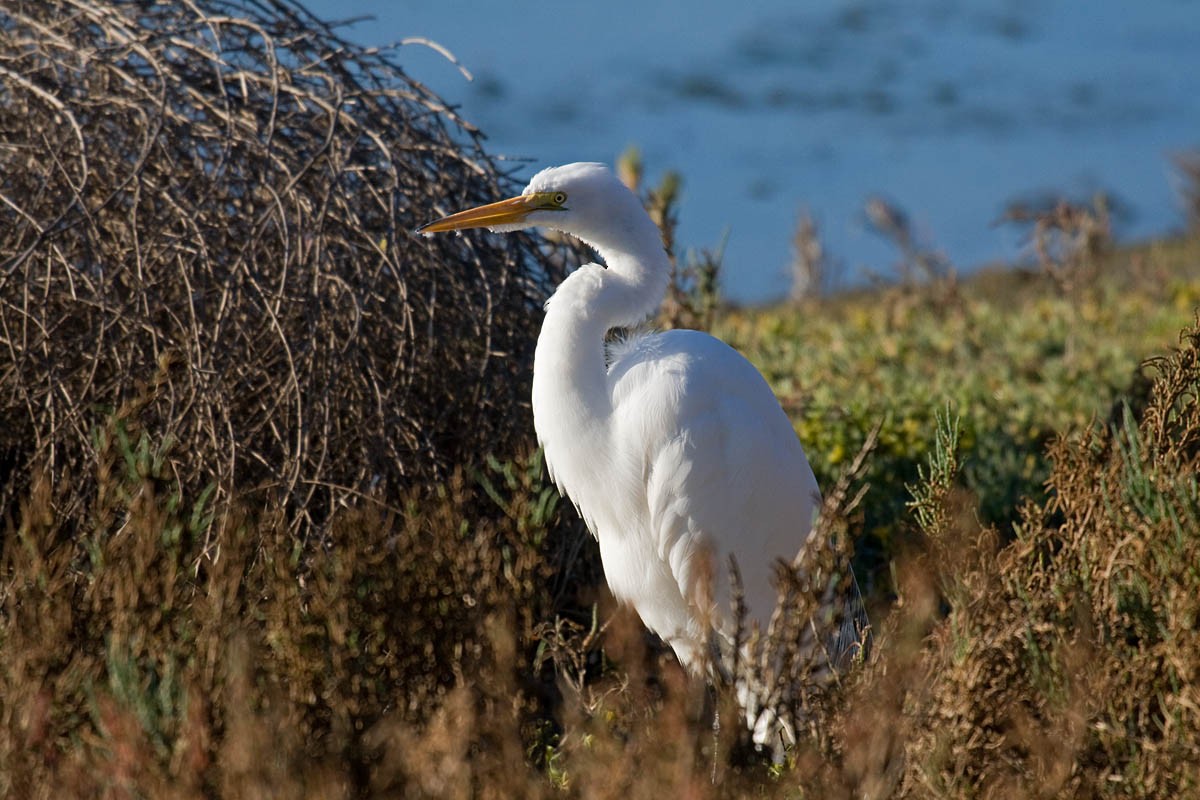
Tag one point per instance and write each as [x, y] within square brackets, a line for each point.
[950, 109]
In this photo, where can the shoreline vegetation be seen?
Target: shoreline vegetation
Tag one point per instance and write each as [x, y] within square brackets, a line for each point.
[274, 524]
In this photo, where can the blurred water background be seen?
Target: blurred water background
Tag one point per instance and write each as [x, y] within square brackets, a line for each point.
[950, 109]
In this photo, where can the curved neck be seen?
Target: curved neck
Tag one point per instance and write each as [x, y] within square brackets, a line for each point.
[632, 287]
[570, 371]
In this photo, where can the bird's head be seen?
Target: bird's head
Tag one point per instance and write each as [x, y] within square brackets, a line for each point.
[572, 198]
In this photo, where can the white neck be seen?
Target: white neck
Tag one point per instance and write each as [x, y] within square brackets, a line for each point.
[632, 286]
[569, 369]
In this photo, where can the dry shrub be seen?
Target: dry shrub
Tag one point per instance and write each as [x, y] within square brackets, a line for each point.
[238, 399]
[1187, 168]
[125, 669]
[920, 263]
[810, 264]
[1070, 659]
[1068, 238]
[205, 223]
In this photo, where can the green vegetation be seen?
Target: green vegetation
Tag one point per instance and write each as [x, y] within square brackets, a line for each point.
[1015, 361]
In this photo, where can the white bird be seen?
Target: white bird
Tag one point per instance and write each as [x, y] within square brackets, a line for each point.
[671, 444]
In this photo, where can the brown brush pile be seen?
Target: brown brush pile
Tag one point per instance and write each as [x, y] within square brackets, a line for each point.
[229, 378]
[205, 228]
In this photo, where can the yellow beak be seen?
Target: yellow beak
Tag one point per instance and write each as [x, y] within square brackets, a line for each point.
[505, 212]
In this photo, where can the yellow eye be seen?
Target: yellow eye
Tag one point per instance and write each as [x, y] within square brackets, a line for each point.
[550, 201]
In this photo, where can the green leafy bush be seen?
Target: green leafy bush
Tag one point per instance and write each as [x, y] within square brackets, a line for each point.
[1014, 366]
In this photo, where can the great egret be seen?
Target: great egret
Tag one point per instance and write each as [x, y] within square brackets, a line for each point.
[671, 445]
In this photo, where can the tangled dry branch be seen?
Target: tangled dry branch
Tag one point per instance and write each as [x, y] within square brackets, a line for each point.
[205, 236]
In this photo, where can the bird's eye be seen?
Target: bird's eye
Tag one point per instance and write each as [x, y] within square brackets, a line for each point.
[559, 198]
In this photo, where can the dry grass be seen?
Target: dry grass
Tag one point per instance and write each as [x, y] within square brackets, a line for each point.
[1069, 239]
[1187, 167]
[125, 669]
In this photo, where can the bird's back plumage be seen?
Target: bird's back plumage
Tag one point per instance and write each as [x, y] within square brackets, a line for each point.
[710, 467]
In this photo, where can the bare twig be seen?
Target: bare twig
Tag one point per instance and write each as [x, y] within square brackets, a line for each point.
[231, 182]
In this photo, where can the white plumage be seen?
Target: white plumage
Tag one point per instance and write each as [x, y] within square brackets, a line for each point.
[671, 445]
